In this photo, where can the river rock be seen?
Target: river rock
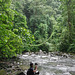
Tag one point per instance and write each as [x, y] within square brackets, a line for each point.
[72, 72]
[21, 73]
[58, 53]
[3, 72]
[65, 55]
[27, 53]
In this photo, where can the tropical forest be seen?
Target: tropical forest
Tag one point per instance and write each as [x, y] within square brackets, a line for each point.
[38, 31]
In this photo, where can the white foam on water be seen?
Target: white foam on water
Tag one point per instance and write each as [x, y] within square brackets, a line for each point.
[47, 73]
[66, 73]
[25, 55]
[71, 69]
[63, 68]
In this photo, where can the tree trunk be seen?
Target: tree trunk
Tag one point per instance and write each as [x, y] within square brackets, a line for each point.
[69, 20]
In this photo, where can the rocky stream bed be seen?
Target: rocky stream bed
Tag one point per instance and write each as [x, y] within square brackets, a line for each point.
[52, 63]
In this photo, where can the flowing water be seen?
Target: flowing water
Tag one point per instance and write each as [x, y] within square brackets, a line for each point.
[50, 65]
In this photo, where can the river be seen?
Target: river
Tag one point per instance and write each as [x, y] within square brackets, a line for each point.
[49, 64]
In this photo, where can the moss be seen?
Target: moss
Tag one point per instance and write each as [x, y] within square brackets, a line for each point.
[3, 72]
[24, 67]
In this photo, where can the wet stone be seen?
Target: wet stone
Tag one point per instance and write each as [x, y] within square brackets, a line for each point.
[66, 73]
[21, 73]
[3, 72]
[72, 72]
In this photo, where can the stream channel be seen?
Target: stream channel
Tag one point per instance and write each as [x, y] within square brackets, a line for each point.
[50, 64]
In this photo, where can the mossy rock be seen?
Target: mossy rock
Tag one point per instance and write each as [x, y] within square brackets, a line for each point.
[3, 72]
[20, 73]
[72, 72]
[24, 67]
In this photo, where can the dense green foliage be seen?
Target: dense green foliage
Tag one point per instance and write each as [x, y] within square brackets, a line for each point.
[68, 13]
[31, 25]
[14, 33]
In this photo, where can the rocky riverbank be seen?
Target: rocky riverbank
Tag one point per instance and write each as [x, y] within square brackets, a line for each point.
[12, 67]
[16, 66]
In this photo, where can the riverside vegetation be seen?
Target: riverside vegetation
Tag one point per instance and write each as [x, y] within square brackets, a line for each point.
[31, 25]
